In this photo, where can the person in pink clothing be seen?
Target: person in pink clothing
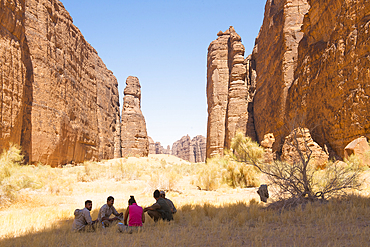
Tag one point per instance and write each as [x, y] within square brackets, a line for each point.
[134, 214]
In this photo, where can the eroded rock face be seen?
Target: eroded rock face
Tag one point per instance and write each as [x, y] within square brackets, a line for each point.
[193, 150]
[16, 77]
[134, 139]
[275, 56]
[300, 144]
[64, 101]
[331, 87]
[228, 89]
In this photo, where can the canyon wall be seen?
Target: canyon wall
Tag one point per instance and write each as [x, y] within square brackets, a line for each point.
[309, 68]
[60, 102]
[134, 138]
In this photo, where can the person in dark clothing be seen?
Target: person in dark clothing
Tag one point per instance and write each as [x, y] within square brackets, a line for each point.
[160, 209]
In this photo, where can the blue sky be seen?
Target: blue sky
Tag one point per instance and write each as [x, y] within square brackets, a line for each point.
[164, 44]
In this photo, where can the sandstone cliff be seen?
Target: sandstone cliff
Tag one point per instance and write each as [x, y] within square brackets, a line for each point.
[230, 89]
[192, 150]
[60, 102]
[134, 139]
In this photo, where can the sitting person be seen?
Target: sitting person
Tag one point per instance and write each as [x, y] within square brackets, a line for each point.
[160, 209]
[106, 211]
[83, 221]
[170, 203]
[134, 214]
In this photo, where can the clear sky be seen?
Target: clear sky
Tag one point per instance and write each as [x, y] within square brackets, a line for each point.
[164, 43]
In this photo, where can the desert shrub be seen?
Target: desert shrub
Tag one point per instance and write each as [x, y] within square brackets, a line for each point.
[91, 171]
[122, 169]
[210, 175]
[15, 177]
[224, 170]
[164, 179]
[240, 175]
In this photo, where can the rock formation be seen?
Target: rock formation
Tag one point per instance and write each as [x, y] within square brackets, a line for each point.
[228, 91]
[181, 148]
[134, 139]
[309, 68]
[198, 149]
[60, 102]
[192, 150]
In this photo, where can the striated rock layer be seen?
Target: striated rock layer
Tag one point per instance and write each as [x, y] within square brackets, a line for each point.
[230, 85]
[60, 102]
[134, 138]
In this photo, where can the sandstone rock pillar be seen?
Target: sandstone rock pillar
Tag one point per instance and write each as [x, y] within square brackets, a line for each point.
[134, 139]
[230, 89]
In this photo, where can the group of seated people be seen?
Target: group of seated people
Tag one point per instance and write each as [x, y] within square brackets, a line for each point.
[163, 209]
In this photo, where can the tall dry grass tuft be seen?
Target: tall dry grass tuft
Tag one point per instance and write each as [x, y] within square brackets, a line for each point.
[224, 170]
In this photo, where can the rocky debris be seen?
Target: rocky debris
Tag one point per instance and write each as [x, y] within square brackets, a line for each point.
[360, 148]
[60, 102]
[134, 139]
[228, 88]
[267, 143]
[300, 144]
[192, 150]
[151, 146]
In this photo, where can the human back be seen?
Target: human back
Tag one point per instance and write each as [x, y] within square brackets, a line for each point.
[136, 214]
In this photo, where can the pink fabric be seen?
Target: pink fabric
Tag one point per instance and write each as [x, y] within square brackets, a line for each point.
[135, 213]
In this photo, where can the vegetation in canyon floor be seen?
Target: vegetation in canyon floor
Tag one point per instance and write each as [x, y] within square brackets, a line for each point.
[38, 204]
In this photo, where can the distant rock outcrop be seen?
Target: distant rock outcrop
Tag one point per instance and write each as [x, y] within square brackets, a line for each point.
[151, 146]
[193, 150]
[60, 102]
[134, 139]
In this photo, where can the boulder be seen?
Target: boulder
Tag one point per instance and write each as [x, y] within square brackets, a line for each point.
[360, 148]
[300, 145]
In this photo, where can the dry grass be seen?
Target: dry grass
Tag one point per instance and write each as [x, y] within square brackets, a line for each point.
[336, 223]
[223, 217]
